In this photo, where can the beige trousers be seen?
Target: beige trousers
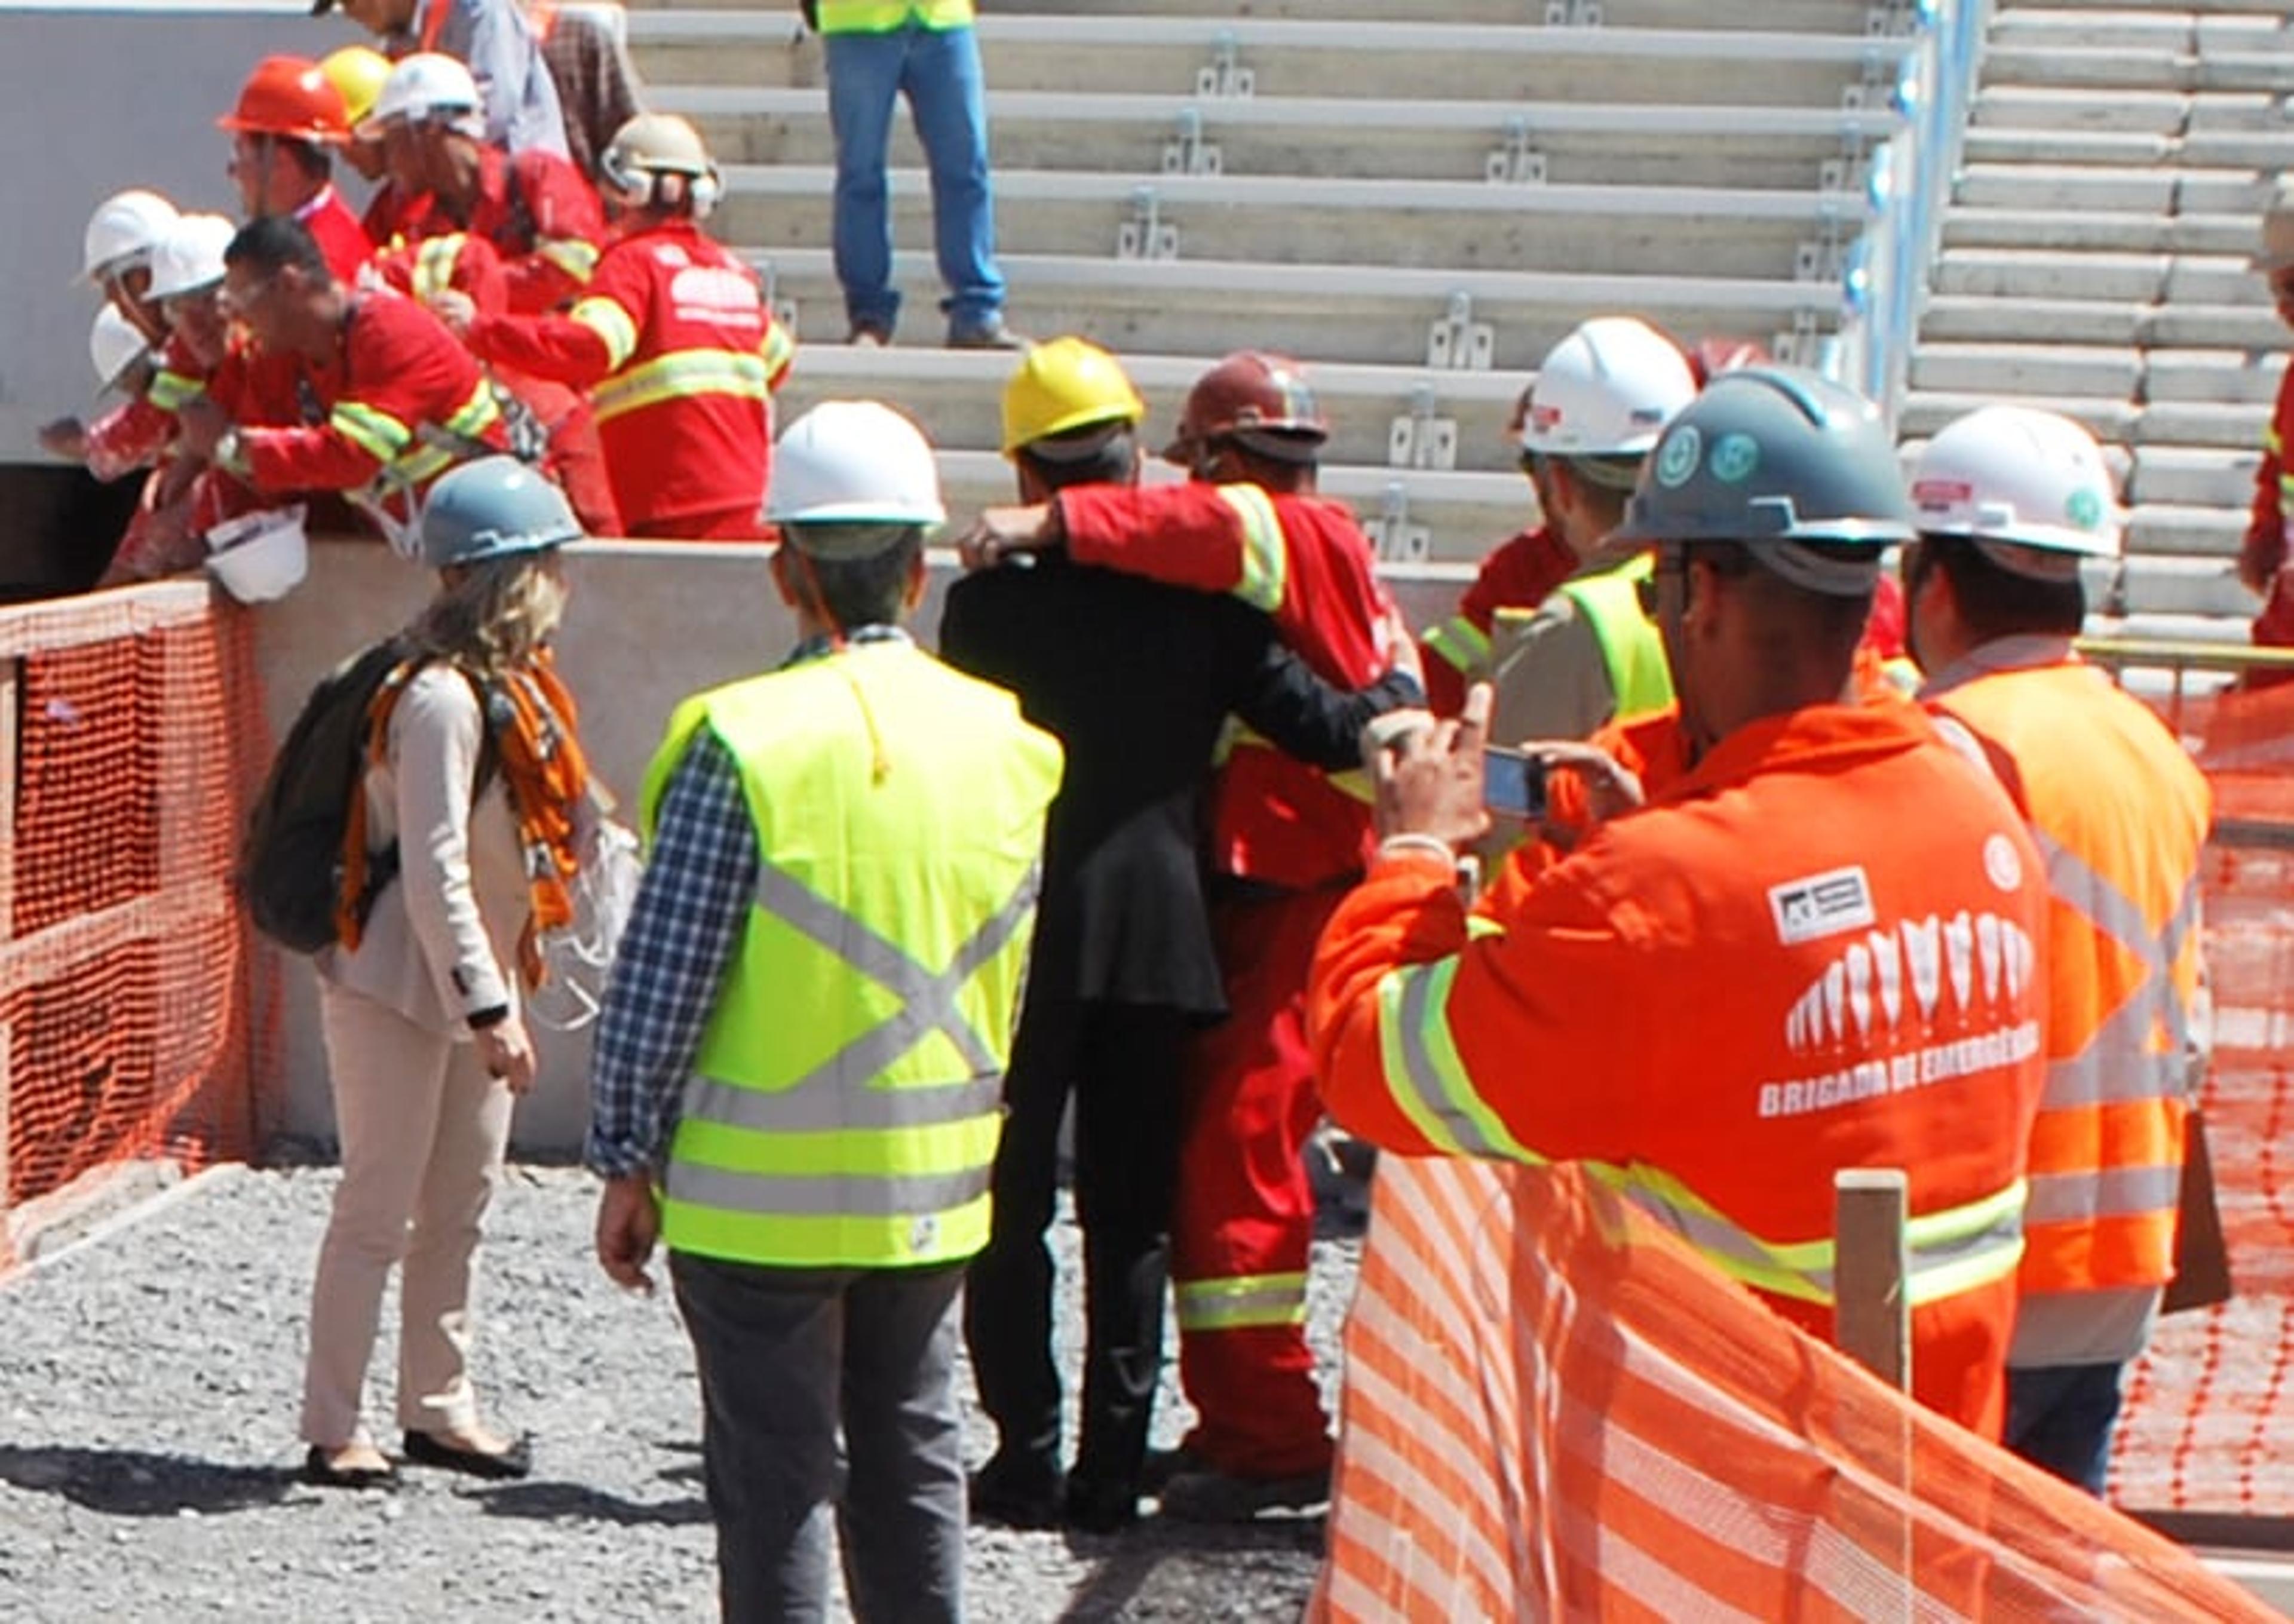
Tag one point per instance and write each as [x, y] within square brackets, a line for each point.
[423, 1130]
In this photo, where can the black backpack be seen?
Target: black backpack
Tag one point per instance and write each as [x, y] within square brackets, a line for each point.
[290, 859]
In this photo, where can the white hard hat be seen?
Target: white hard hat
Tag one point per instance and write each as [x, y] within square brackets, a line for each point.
[1607, 390]
[2028, 487]
[260, 557]
[190, 256]
[424, 86]
[122, 232]
[854, 462]
[113, 345]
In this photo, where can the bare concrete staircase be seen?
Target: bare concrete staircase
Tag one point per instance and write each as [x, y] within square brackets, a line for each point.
[2096, 260]
[1418, 199]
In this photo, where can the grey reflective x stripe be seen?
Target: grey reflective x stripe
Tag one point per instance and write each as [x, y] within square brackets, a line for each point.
[1425, 1078]
[2116, 1067]
[2114, 1192]
[819, 1109]
[826, 1195]
[927, 999]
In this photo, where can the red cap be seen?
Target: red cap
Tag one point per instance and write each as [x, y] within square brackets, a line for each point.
[289, 97]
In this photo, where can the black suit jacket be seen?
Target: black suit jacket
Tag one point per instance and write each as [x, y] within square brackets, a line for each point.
[1137, 681]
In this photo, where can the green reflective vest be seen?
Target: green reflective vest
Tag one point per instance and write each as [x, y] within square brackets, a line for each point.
[883, 16]
[1631, 649]
[847, 1095]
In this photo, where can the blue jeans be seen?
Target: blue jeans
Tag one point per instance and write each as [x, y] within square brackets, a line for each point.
[940, 74]
[2060, 1419]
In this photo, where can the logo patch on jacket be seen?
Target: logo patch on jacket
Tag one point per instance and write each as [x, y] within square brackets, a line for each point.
[1819, 905]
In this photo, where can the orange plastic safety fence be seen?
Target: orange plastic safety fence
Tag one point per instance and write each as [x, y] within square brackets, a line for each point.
[1555, 1409]
[2208, 1424]
[136, 1020]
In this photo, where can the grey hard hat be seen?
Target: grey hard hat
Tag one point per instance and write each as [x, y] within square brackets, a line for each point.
[1770, 457]
[494, 507]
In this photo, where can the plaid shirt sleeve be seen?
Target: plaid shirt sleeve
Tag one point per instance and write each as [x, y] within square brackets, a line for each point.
[698, 883]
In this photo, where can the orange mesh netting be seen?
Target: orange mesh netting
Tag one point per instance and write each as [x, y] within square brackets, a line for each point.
[2209, 1426]
[135, 1018]
[1555, 1409]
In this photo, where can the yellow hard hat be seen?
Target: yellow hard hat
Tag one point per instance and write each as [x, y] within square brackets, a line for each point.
[359, 74]
[1062, 384]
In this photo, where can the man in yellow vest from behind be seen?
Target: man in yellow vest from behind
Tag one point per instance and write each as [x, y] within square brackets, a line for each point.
[799, 1072]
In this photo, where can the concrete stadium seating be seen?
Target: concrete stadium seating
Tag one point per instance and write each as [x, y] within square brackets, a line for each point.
[2096, 260]
[1416, 204]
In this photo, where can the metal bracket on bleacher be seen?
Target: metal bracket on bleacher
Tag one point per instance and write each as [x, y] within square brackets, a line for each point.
[1518, 162]
[1396, 540]
[1457, 343]
[1420, 438]
[1573, 13]
[1875, 90]
[1824, 258]
[1891, 19]
[1225, 78]
[1798, 348]
[1146, 235]
[1190, 153]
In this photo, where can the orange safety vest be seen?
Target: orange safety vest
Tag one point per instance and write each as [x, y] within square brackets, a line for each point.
[2120, 814]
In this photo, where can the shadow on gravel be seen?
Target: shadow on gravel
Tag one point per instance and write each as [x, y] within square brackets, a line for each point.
[578, 1503]
[1182, 1571]
[138, 1484]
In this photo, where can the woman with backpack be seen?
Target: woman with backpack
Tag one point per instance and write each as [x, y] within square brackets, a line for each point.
[462, 845]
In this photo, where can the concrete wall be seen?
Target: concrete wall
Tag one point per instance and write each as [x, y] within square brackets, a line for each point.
[650, 623]
[101, 97]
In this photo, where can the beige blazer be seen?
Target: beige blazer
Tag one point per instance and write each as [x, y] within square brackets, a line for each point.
[442, 944]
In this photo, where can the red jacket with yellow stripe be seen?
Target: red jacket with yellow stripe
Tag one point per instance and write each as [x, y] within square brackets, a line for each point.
[540, 215]
[673, 339]
[398, 403]
[1303, 561]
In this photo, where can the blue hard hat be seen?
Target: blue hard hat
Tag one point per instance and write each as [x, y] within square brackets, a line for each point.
[494, 507]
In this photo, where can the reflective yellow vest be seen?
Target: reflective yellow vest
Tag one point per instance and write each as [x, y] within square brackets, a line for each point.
[1631, 649]
[883, 16]
[847, 1095]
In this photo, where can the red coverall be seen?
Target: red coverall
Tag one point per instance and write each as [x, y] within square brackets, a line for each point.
[1244, 1213]
[398, 404]
[540, 215]
[2270, 531]
[339, 234]
[470, 265]
[384, 220]
[681, 357]
[159, 540]
[1517, 574]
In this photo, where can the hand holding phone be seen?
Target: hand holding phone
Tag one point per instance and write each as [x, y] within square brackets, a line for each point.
[1513, 784]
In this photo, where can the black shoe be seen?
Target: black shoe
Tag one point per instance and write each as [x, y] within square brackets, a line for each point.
[988, 334]
[502, 1466]
[321, 1473]
[1164, 1465]
[1100, 1508]
[1014, 1494]
[1216, 1497]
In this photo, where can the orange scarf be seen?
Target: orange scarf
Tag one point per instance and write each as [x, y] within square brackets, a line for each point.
[529, 718]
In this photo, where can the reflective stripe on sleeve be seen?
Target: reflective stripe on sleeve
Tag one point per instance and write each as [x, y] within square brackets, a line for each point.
[1266, 563]
[612, 324]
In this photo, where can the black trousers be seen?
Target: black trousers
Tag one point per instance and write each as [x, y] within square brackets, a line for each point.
[1121, 1061]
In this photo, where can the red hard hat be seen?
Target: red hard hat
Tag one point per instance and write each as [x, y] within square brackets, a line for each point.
[1262, 398]
[289, 97]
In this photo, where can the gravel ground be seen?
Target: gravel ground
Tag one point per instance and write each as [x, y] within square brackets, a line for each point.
[149, 1384]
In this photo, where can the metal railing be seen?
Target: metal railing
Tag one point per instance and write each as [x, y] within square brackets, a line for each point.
[1907, 187]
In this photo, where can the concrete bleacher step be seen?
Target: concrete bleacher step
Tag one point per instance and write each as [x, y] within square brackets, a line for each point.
[1799, 16]
[1284, 220]
[2194, 476]
[2026, 368]
[1375, 314]
[2181, 586]
[2036, 274]
[2149, 67]
[2087, 231]
[2179, 530]
[1376, 411]
[1926, 410]
[2231, 379]
[1625, 143]
[1119, 52]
